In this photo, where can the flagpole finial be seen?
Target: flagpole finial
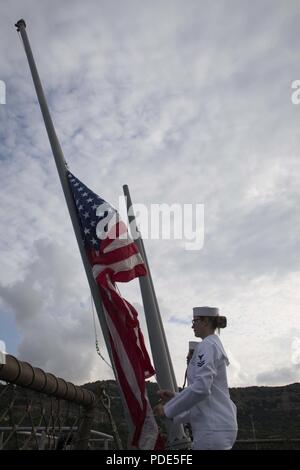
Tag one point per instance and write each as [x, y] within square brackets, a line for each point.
[19, 24]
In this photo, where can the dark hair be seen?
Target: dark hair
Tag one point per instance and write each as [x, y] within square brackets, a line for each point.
[217, 322]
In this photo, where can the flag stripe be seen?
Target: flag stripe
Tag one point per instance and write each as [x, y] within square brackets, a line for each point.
[133, 384]
[133, 262]
[128, 326]
[119, 255]
[123, 358]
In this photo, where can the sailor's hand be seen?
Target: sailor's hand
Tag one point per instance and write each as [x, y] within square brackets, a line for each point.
[159, 410]
[165, 395]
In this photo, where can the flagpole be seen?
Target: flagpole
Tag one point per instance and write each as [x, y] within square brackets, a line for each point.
[158, 342]
[62, 172]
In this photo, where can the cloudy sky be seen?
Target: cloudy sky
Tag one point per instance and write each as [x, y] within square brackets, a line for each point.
[188, 103]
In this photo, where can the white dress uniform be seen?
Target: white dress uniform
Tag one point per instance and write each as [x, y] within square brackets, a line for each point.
[206, 402]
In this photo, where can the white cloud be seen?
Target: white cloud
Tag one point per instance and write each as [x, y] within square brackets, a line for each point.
[295, 359]
[53, 311]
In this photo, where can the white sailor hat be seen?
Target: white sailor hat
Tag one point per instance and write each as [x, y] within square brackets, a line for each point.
[210, 312]
[205, 312]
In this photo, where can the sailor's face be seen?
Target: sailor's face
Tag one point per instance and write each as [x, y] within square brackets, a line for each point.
[198, 325]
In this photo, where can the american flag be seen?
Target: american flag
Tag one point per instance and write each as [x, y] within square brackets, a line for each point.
[115, 257]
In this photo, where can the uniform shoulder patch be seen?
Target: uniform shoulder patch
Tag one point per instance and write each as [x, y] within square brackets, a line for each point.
[201, 361]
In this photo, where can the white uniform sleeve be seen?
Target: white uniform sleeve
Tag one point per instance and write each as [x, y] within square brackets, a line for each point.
[205, 371]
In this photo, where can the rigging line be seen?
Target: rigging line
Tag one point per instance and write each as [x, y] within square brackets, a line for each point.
[96, 338]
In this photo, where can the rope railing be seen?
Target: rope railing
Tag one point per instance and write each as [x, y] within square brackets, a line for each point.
[41, 411]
